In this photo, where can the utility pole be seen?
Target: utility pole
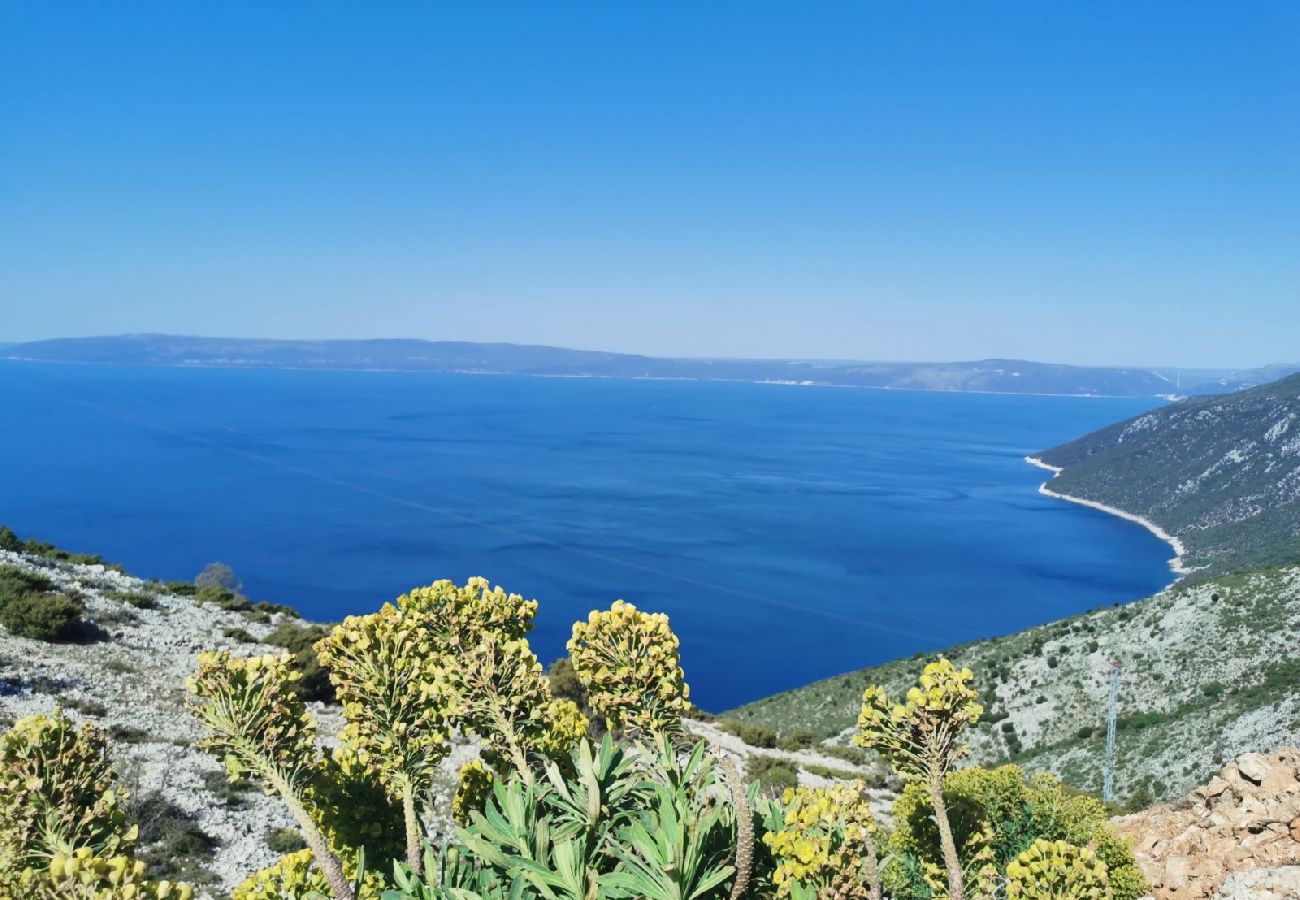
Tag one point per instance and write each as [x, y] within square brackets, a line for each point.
[1108, 785]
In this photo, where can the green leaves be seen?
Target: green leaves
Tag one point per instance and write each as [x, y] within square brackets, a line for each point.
[619, 822]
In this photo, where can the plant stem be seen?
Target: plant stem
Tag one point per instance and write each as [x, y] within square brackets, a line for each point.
[412, 828]
[956, 884]
[325, 858]
[744, 828]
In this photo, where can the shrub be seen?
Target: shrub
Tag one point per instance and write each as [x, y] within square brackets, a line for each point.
[138, 599]
[1016, 812]
[853, 755]
[300, 640]
[772, 772]
[218, 574]
[285, 840]
[42, 617]
[799, 739]
[16, 582]
[754, 735]
[9, 541]
[128, 734]
[223, 598]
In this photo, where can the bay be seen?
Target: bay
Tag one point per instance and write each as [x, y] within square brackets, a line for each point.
[790, 532]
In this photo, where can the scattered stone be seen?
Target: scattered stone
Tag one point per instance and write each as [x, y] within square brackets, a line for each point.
[1236, 837]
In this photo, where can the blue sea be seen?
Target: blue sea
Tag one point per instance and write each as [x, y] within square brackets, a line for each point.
[790, 532]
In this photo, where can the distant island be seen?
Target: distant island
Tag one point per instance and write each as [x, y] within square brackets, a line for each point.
[1008, 376]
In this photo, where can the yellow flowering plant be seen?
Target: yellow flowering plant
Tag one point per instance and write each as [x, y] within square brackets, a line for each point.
[629, 662]
[923, 739]
[258, 725]
[826, 845]
[387, 670]
[459, 614]
[64, 834]
[1056, 870]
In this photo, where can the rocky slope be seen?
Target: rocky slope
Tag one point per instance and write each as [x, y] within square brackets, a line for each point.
[1221, 473]
[1234, 838]
[1208, 672]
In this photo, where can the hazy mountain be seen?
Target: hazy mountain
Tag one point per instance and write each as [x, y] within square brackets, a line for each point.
[1246, 378]
[1221, 472]
[1005, 376]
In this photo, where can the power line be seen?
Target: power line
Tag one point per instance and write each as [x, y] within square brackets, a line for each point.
[1108, 780]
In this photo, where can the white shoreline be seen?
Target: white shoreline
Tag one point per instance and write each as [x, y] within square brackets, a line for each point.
[1176, 565]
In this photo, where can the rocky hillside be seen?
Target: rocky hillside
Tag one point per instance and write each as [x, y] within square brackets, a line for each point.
[1208, 672]
[1221, 473]
[1234, 838]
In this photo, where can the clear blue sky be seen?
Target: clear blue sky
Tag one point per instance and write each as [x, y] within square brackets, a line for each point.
[1079, 182]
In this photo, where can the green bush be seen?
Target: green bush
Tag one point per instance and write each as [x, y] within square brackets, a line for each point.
[42, 617]
[15, 582]
[799, 739]
[754, 735]
[300, 640]
[773, 773]
[1018, 812]
[285, 840]
[9, 541]
[855, 756]
[223, 598]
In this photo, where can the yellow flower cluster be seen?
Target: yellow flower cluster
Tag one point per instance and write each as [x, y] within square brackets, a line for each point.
[504, 697]
[294, 877]
[387, 672]
[1056, 870]
[255, 718]
[472, 792]
[83, 875]
[922, 735]
[629, 662]
[63, 832]
[826, 846]
[459, 613]
[57, 782]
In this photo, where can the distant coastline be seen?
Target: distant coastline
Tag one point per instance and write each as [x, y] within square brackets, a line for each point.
[1176, 565]
[265, 367]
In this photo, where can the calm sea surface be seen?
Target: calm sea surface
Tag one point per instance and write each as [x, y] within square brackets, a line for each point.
[790, 532]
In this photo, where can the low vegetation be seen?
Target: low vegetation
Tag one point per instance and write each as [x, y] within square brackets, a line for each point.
[1184, 709]
[31, 607]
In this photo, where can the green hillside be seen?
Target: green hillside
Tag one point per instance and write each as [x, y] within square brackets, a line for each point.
[1221, 472]
[1209, 671]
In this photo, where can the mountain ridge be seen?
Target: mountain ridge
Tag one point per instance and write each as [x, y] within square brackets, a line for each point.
[1221, 473]
[464, 357]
